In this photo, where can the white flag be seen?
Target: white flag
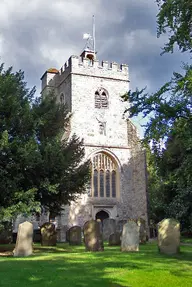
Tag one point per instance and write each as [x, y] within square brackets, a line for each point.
[86, 36]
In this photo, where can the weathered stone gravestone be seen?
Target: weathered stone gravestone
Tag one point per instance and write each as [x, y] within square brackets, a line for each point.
[119, 225]
[169, 236]
[114, 239]
[61, 233]
[130, 237]
[75, 235]
[24, 243]
[142, 230]
[92, 236]
[48, 234]
[109, 227]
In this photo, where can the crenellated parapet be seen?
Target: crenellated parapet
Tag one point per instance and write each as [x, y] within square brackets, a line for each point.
[85, 67]
[95, 68]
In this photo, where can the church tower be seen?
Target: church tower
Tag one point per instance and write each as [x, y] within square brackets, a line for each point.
[92, 91]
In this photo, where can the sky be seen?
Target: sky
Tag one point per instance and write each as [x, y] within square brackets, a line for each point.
[38, 34]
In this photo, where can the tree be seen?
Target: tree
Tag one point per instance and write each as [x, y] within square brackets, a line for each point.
[169, 125]
[165, 107]
[38, 166]
[175, 18]
[16, 144]
[62, 174]
[170, 178]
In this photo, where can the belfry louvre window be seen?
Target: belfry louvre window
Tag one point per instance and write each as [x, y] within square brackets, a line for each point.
[104, 176]
[101, 99]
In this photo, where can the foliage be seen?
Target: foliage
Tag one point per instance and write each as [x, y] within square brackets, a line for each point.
[169, 122]
[60, 177]
[175, 18]
[169, 132]
[71, 265]
[165, 107]
[170, 178]
[38, 166]
[16, 144]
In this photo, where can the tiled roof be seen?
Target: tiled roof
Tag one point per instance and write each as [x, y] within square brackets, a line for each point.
[52, 70]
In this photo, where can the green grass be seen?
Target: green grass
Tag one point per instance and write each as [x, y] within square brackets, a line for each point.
[71, 266]
[186, 240]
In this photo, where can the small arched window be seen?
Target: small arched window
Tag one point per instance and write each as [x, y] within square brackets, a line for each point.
[101, 99]
[62, 99]
[104, 176]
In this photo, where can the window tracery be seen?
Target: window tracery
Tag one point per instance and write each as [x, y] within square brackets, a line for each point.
[101, 99]
[104, 176]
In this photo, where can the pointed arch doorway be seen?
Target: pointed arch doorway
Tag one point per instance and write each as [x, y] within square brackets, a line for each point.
[101, 215]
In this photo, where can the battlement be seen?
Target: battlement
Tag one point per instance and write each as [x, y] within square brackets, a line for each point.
[78, 62]
[85, 67]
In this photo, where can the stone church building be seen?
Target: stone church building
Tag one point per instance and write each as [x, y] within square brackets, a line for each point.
[91, 90]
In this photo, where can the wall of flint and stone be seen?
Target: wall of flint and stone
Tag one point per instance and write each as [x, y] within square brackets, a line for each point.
[78, 80]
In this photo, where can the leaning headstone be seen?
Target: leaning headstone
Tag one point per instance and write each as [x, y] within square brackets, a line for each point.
[109, 227]
[114, 239]
[130, 237]
[63, 231]
[75, 235]
[48, 234]
[92, 236]
[142, 230]
[169, 236]
[24, 243]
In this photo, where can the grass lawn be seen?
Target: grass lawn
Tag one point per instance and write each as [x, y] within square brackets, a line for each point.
[71, 266]
[186, 240]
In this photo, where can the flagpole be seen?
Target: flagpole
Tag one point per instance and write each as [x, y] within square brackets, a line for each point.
[94, 34]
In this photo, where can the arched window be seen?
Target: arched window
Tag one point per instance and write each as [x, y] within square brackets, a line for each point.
[104, 176]
[101, 99]
[113, 181]
[95, 183]
[62, 99]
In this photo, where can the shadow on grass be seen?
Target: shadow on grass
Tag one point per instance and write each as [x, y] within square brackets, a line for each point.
[66, 265]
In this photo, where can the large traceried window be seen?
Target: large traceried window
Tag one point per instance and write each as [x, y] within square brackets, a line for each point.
[104, 176]
[101, 99]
